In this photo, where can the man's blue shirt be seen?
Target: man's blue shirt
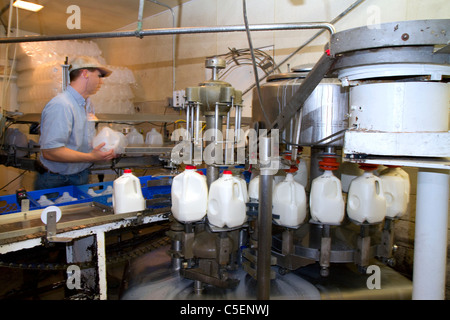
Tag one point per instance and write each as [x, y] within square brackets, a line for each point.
[64, 123]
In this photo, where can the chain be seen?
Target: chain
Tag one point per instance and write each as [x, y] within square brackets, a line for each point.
[86, 265]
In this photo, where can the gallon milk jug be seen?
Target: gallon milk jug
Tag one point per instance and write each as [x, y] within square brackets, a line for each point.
[127, 194]
[396, 187]
[301, 175]
[44, 201]
[154, 138]
[16, 138]
[134, 137]
[66, 197]
[189, 195]
[243, 186]
[226, 202]
[289, 202]
[113, 140]
[366, 201]
[325, 200]
[253, 189]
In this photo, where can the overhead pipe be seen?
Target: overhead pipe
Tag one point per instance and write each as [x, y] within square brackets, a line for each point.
[169, 31]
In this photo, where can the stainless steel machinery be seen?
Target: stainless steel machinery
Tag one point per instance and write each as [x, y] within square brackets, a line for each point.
[333, 108]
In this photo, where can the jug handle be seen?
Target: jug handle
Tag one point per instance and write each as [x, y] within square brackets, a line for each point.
[135, 185]
[239, 189]
[338, 194]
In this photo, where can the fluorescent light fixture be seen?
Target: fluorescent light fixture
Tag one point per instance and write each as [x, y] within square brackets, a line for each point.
[27, 5]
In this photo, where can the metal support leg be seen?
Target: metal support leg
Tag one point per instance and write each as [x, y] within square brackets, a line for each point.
[101, 265]
[325, 251]
[264, 227]
[430, 241]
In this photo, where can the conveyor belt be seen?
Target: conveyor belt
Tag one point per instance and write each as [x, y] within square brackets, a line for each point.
[27, 225]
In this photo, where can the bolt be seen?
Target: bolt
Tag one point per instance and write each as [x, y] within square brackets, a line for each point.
[405, 37]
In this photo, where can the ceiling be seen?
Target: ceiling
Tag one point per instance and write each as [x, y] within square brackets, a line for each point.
[95, 15]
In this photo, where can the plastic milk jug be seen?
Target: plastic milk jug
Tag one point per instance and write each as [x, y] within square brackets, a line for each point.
[366, 201]
[325, 200]
[227, 202]
[301, 175]
[154, 138]
[134, 137]
[189, 195]
[396, 187]
[253, 189]
[127, 194]
[289, 202]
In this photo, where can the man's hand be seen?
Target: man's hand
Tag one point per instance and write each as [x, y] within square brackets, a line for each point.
[99, 155]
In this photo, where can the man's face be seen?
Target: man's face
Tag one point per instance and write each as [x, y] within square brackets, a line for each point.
[93, 81]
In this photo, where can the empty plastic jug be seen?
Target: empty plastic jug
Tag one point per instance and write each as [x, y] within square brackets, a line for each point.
[325, 200]
[366, 201]
[154, 138]
[289, 202]
[16, 139]
[112, 139]
[227, 202]
[66, 197]
[127, 194]
[44, 201]
[396, 187]
[134, 137]
[189, 195]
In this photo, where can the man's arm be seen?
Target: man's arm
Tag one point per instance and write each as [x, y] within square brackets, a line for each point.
[64, 154]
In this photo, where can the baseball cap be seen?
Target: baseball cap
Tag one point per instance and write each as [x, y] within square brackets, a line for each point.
[82, 62]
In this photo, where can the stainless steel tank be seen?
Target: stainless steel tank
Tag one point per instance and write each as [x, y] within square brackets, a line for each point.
[324, 112]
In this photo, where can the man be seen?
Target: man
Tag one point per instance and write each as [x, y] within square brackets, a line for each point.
[67, 129]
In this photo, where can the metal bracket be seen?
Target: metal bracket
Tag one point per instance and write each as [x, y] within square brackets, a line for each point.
[51, 229]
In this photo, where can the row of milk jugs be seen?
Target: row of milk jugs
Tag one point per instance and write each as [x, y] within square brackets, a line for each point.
[370, 198]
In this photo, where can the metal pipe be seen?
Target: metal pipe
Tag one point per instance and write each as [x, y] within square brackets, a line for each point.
[197, 124]
[140, 14]
[298, 130]
[212, 172]
[227, 137]
[430, 239]
[188, 124]
[169, 31]
[264, 223]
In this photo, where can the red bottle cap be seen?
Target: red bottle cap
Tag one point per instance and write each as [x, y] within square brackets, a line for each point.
[227, 172]
[127, 171]
[191, 167]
